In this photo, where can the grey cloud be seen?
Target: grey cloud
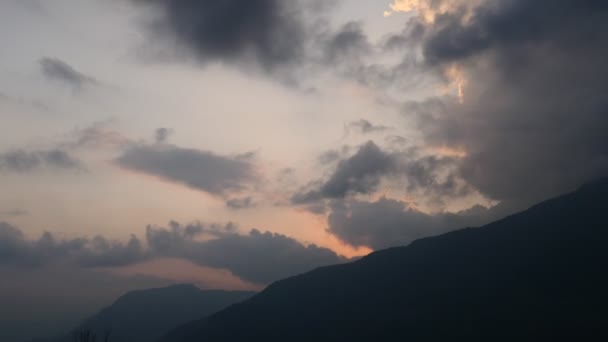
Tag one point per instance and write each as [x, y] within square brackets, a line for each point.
[349, 42]
[432, 176]
[259, 257]
[366, 127]
[288, 39]
[56, 69]
[332, 156]
[359, 174]
[25, 161]
[241, 203]
[269, 33]
[161, 135]
[16, 249]
[533, 119]
[387, 223]
[201, 170]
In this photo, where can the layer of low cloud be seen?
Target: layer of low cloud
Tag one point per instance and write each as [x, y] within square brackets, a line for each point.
[200, 170]
[257, 257]
[16, 249]
[387, 223]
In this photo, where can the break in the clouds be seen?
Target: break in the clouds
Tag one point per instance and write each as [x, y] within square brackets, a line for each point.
[200, 170]
[258, 257]
[58, 70]
[26, 161]
[532, 114]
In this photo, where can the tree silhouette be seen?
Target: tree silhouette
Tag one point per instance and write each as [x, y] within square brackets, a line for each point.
[90, 336]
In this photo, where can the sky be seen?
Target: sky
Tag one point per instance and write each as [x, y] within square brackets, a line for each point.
[231, 144]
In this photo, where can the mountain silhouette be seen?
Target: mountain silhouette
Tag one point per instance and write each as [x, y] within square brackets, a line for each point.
[537, 275]
[146, 315]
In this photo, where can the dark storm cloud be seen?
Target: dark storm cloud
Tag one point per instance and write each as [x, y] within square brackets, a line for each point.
[288, 39]
[533, 120]
[432, 176]
[56, 69]
[25, 161]
[259, 257]
[269, 33]
[360, 174]
[387, 223]
[201, 170]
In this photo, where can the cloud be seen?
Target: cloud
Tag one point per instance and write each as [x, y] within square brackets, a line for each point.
[532, 80]
[366, 127]
[200, 170]
[58, 70]
[388, 223]
[287, 39]
[259, 257]
[348, 42]
[161, 135]
[358, 174]
[26, 161]
[269, 33]
[424, 174]
[15, 249]
[241, 203]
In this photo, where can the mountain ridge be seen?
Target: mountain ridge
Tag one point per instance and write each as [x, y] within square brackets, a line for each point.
[145, 315]
[519, 275]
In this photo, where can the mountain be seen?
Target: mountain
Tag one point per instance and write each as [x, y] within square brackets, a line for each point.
[538, 275]
[146, 315]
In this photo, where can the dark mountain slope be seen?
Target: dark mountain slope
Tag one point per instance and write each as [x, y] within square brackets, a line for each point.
[540, 274]
[144, 316]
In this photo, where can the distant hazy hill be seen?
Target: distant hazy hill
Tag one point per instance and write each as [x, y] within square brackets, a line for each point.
[538, 275]
[144, 316]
